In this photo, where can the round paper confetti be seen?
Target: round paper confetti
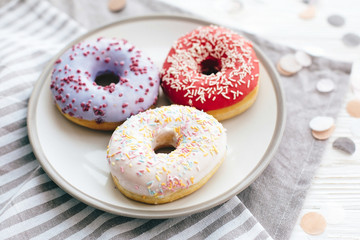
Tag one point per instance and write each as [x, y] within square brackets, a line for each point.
[303, 59]
[353, 108]
[355, 128]
[351, 40]
[116, 5]
[333, 212]
[325, 85]
[321, 123]
[282, 71]
[336, 20]
[229, 6]
[313, 223]
[324, 134]
[289, 64]
[308, 13]
[344, 144]
[355, 77]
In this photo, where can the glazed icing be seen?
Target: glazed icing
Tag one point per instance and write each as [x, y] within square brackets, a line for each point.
[76, 92]
[199, 139]
[232, 56]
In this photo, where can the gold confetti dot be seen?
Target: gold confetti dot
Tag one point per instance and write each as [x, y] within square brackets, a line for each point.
[289, 64]
[308, 13]
[313, 223]
[323, 135]
[353, 108]
[116, 5]
[282, 71]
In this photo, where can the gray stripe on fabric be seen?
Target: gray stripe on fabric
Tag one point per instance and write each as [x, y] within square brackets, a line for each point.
[27, 57]
[47, 186]
[8, 129]
[79, 225]
[2, 67]
[107, 225]
[14, 145]
[184, 224]
[15, 184]
[53, 222]
[139, 230]
[23, 57]
[8, 45]
[17, 88]
[15, 164]
[15, 74]
[54, 32]
[29, 9]
[35, 211]
[26, 24]
[45, 24]
[72, 34]
[262, 236]
[11, 8]
[240, 230]
[12, 108]
[61, 27]
[219, 222]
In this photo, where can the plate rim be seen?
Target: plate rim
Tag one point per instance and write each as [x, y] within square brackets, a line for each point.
[98, 204]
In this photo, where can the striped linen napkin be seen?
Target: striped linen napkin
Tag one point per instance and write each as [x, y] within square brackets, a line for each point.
[31, 205]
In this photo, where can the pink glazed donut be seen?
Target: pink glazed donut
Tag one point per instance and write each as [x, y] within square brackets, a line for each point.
[100, 83]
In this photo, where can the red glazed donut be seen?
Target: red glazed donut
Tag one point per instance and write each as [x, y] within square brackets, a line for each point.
[213, 69]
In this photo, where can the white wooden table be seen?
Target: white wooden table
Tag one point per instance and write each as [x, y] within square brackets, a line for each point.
[337, 181]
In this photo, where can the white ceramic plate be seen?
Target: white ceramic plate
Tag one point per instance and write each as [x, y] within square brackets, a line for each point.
[75, 157]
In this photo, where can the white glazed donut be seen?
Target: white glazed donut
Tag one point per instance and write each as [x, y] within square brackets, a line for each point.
[143, 175]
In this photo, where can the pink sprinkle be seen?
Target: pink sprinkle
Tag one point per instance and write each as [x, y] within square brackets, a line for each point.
[107, 60]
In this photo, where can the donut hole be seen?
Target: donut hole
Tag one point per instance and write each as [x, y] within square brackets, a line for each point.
[164, 149]
[165, 142]
[210, 65]
[105, 78]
